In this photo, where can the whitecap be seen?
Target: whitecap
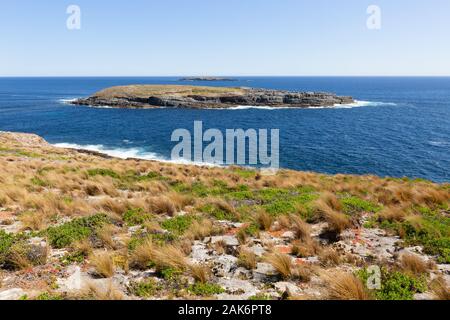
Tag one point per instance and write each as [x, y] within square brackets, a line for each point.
[361, 103]
[439, 143]
[67, 100]
[356, 104]
[127, 153]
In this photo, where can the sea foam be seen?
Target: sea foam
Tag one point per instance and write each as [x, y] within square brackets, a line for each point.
[127, 153]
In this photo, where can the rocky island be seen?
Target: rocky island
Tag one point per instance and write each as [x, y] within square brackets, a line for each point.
[179, 96]
[207, 79]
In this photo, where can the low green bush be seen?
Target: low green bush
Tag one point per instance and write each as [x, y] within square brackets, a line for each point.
[77, 229]
[205, 289]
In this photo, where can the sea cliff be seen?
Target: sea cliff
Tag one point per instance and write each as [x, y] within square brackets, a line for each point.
[154, 96]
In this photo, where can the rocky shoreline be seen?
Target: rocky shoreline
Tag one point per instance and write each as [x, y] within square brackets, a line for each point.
[208, 97]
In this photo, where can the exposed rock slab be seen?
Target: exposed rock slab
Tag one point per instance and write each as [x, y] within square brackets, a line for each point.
[154, 96]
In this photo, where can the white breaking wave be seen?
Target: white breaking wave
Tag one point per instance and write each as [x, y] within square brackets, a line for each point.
[126, 153]
[356, 104]
[439, 143]
[361, 103]
[67, 100]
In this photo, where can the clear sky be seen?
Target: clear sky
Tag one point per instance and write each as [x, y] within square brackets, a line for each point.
[224, 37]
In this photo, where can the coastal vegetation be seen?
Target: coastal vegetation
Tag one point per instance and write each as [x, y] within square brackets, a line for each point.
[135, 229]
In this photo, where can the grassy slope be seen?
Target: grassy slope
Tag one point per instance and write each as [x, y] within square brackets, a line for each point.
[44, 186]
[145, 91]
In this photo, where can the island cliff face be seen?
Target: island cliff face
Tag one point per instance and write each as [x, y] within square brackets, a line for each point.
[154, 96]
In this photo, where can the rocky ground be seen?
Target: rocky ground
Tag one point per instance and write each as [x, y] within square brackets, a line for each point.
[147, 96]
[80, 226]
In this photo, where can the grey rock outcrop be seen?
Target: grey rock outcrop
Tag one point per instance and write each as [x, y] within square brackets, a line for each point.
[248, 97]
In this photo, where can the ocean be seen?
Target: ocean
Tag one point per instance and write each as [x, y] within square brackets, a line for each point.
[399, 127]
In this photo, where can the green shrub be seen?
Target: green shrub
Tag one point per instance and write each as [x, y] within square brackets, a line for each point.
[354, 205]
[244, 173]
[145, 289]
[49, 296]
[103, 173]
[432, 231]
[218, 213]
[260, 297]
[170, 274]
[77, 229]
[134, 217]
[178, 225]
[6, 242]
[39, 182]
[396, 285]
[74, 257]
[205, 289]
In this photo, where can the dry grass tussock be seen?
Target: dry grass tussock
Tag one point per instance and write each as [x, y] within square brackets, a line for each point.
[284, 265]
[301, 229]
[440, 289]
[99, 292]
[337, 222]
[264, 220]
[167, 256]
[103, 263]
[200, 273]
[411, 263]
[198, 230]
[247, 259]
[345, 286]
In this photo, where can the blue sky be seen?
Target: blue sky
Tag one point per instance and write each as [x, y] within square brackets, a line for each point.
[217, 37]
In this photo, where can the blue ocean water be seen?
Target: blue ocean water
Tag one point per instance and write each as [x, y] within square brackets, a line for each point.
[402, 128]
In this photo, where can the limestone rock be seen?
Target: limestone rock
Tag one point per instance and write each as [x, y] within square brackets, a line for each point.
[12, 294]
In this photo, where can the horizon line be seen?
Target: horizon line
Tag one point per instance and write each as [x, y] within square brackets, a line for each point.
[225, 76]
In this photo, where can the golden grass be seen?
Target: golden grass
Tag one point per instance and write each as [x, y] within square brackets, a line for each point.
[111, 205]
[305, 248]
[103, 263]
[247, 259]
[264, 220]
[161, 206]
[301, 228]
[146, 91]
[331, 200]
[329, 258]
[105, 234]
[345, 286]
[170, 256]
[98, 292]
[152, 226]
[392, 214]
[282, 263]
[19, 260]
[413, 264]
[198, 230]
[337, 222]
[220, 247]
[200, 273]
[440, 289]
[65, 190]
[284, 222]
[34, 221]
[83, 246]
[143, 255]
